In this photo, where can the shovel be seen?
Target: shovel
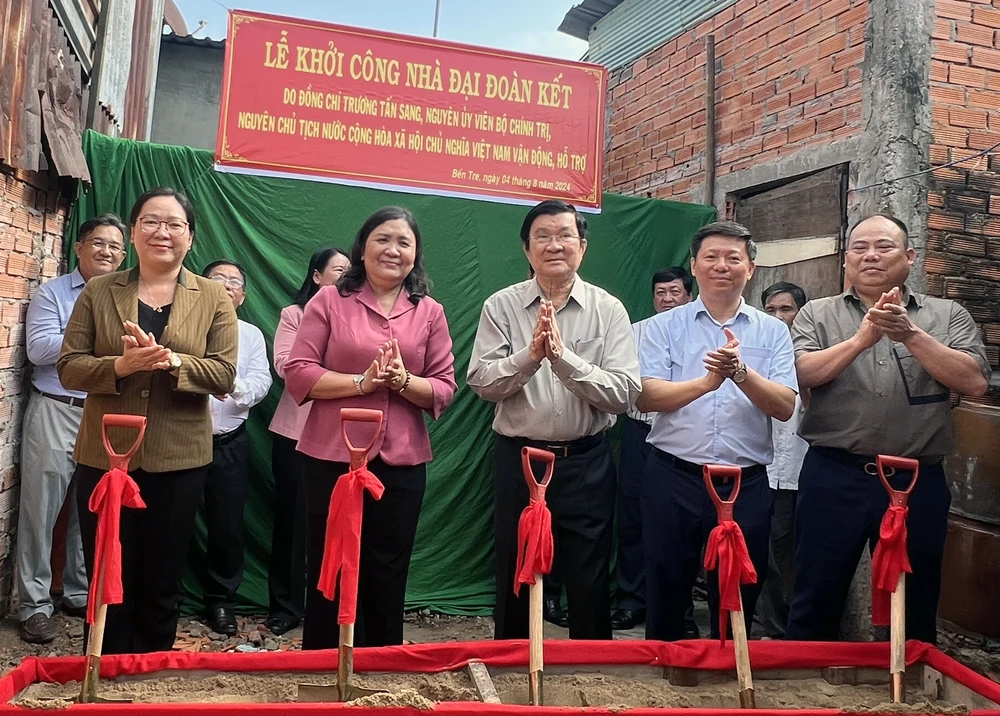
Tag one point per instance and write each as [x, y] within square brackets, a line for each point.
[95, 643]
[724, 511]
[345, 690]
[897, 613]
[536, 589]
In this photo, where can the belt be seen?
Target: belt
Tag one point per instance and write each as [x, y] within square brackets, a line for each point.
[866, 463]
[226, 438]
[64, 399]
[564, 448]
[698, 470]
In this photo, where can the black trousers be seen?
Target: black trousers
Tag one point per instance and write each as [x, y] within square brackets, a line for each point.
[581, 498]
[839, 511]
[773, 608]
[388, 527]
[631, 568]
[286, 574]
[154, 542]
[678, 516]
[225, 497]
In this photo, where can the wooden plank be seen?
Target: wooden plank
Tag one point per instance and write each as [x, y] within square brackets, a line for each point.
[810, 206]
[790, 251]
[817, 277]
[482, 682]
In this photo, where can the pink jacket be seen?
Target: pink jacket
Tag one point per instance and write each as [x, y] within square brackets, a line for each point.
[289, 416]
[342, 334]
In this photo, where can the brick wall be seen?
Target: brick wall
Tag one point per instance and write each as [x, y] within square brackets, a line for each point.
[789, 77]
[963, 225]
[32, 214]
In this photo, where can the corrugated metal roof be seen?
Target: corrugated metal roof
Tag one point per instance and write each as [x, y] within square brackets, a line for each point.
[172, 38]
[79, 18]
[637, 26]
[581, 18]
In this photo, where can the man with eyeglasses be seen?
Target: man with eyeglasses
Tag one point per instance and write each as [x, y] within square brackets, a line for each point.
[556, 355]
[880, 361]
[48, 437]
[225, 489]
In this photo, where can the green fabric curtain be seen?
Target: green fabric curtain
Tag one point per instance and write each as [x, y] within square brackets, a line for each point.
[272, 226]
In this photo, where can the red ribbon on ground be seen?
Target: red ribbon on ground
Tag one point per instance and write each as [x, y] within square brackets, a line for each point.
[342, 551]
[728, 550]
[889, 561]
[112, 492]
[535, 548]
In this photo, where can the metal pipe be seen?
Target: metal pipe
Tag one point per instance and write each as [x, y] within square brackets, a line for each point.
[710, 120]
[437, 16]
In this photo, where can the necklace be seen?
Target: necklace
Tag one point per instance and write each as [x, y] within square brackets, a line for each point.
[150, 302]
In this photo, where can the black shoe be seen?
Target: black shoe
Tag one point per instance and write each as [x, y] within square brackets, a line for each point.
[280, 625]
[38, 629]
[555, 614]
[691, 629]
[223, 621]
[79, 612]
[623, 619]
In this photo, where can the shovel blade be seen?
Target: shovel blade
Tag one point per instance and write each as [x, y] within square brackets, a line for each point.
[319, 693]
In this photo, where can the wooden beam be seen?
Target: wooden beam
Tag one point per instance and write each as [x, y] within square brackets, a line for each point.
[790, 251]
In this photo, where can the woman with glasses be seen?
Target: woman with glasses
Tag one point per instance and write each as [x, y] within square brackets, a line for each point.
[286, 577]
[156, 341]
[376, 340]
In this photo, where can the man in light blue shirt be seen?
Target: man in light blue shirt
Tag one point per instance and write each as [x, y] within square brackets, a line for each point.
[715, 372]
[51, 422]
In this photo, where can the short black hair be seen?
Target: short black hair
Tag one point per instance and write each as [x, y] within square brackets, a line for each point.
[796, 292]
[674, 273]
[207, 271]
[552, 207]
[164, 191]
[888, 217]
[91, 225]
[724, 228]
[318, 262]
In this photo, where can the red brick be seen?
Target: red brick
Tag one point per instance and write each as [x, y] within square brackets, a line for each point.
[853, 19]
[939, 71]
[802, 130]
[803, 93]
[987, 100]
[774, 140]
[945, 222]
[988, 58]
[942, 30]
[807, 21]
[972, 118]
[831, 121]
[850, 58]
[832, 83]
[837, 43]
[938, 155]
[13, 287]
[985, 16]
[776, 104]
[779, 35]
[951, 51]
[827, 28]
[951, 136]
[950, 94]
[939, 116]
[968, 76]
[23, 242]
[995, 204]
[973, 34]
[955, 9]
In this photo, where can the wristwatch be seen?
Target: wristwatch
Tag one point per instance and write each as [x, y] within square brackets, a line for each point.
[175, 361]
[358, 380]
[741, 374]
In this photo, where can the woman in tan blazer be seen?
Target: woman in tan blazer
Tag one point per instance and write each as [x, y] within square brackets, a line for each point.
[155, 341]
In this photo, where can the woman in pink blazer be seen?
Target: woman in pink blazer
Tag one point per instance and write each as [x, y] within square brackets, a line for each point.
[376, 340]
[286, 579]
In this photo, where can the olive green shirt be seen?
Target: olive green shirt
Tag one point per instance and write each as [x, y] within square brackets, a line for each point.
[885, 402]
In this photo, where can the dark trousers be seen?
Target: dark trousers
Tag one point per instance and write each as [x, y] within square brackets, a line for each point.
[581, 498]
[286, 574]
[225, 496]
[773, 609]
[388, 527]
[840, 508]
[631, 568]
[678, 516]
[154, 543]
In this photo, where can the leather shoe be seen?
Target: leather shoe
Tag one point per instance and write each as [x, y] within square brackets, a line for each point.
[223, 621]
[280, 625]
[38, 629]
[79, 612]
[554, 613]
[623, 619]
[691, 629]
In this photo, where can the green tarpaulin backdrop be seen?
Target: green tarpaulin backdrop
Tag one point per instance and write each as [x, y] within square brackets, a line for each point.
[472, 248]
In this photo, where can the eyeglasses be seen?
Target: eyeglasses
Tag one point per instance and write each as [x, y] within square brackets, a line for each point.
[236, 283]
[545, 239]
[150, 225]
[101, 245]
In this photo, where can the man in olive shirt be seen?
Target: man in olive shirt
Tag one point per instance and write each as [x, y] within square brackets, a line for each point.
[556, 355]
[880, 361]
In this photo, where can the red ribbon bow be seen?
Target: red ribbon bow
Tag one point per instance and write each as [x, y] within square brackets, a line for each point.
[889, 561]
[534, 544]
[342, 552]
[114, 491]
[727, 549]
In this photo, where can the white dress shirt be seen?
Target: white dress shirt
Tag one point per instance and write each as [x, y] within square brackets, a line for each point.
[638, 330]
[789, 451]
[253, 380]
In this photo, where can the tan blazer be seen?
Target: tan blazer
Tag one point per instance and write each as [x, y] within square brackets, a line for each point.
[202, 330]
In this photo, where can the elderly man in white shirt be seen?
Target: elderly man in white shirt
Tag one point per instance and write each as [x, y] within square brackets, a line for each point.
[225, 490]
[783, 301]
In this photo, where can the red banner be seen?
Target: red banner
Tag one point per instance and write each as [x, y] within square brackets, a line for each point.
[332, 103]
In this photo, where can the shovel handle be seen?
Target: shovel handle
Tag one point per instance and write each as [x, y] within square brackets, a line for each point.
[135, 422]
[723, 508]
[359, 415]
[897, 498]
[536, 488]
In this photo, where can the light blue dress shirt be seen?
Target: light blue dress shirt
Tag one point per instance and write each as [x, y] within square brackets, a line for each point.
[723, 426]
[48, 314]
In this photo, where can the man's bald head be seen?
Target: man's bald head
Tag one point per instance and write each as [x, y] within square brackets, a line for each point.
[888, 224]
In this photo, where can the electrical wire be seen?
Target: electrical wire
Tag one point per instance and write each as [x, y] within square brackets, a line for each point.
[952, 163]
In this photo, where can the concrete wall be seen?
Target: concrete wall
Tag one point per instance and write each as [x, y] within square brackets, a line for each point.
[188, 90]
